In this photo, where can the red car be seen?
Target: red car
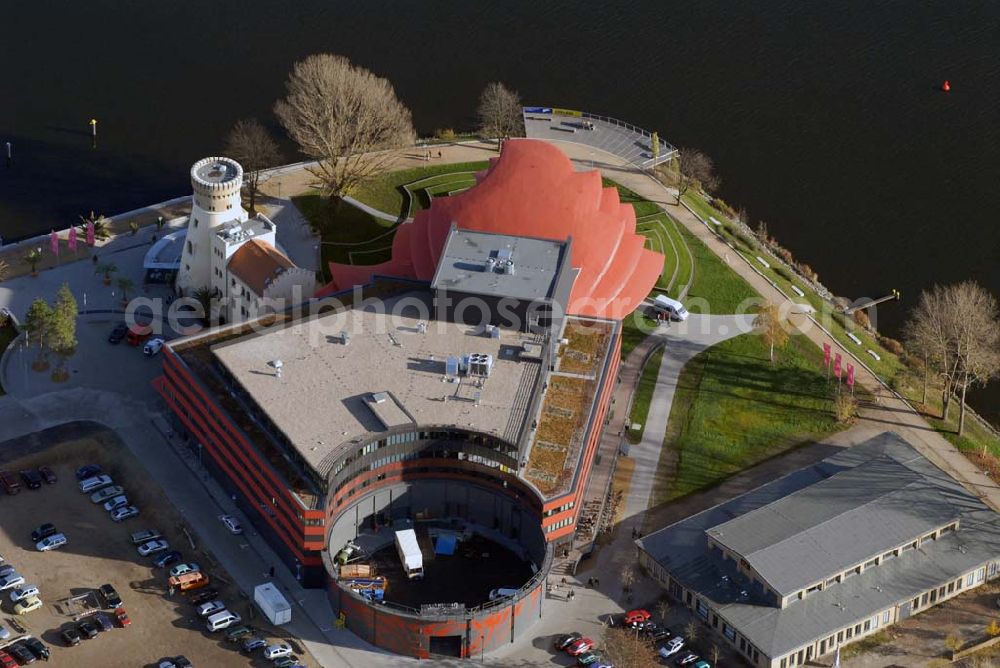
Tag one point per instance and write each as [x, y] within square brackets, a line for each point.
[122, 617]
[48, 474]
[580, 646]
[633, 617]
[6, 660]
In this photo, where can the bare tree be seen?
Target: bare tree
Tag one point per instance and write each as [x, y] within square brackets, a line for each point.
[343, 117]
[663, 609]
[627, 577]
[692, 631]
[627, 648]
[694, 167]
[250, 144]
[956, 329]
[772, 329]
[500, 112]
[715, 654]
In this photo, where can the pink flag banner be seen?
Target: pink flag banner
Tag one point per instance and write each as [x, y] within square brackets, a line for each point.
[54, 243]
[826, 354]
[850, 375]
[72, 239]
[836, 365]
[90, 233]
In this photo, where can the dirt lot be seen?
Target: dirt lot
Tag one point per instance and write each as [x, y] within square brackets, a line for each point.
[99, 551]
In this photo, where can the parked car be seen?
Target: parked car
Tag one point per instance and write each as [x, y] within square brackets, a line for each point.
[29, 604]
[588, 659]
[686, 658]
[580, 646]
[702, 664]
[6, 660]
[87, 629]
[107, 493]
[140, 537]
[187, 567]
[122, 617]
[153, 347]
[37, 648]
[289, 661]
[116, 502]
[87, 471]
[31, 478]
[125, 513]
[21, 653]
[44, 531]
[4, 633]
[117, 334]
[210, 608]
[104, 622]
[276, 651]
[70, 636]
[54, 541]
[6, 570]
[564, 641]
[95, 483]
[110, 596]
[48, 475]
[182, 662]
[238, 633]
[222, 620]
[9, 483]
[672, 646]
[166, 559]
[152, 547]
[13, 579]
[636, 617]
[253, 644]
[23, 592]
[232, 524]
[204, 596]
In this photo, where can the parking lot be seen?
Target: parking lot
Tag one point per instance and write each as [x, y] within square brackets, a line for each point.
[99, 551]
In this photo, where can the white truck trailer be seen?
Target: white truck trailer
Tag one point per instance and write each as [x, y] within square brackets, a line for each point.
[409, 553]
[272, 603]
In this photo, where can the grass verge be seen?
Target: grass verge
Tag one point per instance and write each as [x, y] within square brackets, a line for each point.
[365, 239]
[733, 409]
[386, 192]
[643, 396]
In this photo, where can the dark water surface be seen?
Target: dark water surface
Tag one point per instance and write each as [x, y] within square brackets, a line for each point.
[824, 119]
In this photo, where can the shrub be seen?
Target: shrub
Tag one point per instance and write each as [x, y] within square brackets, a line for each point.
[892, 345]
[724, 208]
[861, 317]
[993, 630]
[846, 407]
[807, 271]
[446, 134]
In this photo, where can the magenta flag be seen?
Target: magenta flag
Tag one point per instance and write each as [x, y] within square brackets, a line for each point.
[836, 365]
[54, 243]
[90, 233]
[850, 375]
[72, 239]
[826, 354]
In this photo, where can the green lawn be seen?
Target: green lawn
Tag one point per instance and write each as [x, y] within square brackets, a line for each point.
[386, 193]
[365, 238]
[643, 395]
[635, 328]
[716, 288]
[733, 409]
[663, 236]
[7, 335]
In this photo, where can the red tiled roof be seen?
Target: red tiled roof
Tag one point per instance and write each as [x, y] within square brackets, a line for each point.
[256, 261]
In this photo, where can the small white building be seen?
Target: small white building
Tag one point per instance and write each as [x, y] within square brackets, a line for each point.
[234, 255]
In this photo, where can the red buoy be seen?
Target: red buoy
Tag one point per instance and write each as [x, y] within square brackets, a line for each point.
[946, 86]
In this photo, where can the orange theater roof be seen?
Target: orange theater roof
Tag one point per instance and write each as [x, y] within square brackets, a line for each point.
[256, 261]
[533, 190]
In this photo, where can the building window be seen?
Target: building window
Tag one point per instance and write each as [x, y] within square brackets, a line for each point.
[888, 555]
[196, 222]
[728, 631]
[784, 663]
[993, 569]
[701, 609]
[885, 616]
[968, 580]
[873, 562]
[190, 248]
[980, 574]
[868, 625]
[840, 637]
[951, 587]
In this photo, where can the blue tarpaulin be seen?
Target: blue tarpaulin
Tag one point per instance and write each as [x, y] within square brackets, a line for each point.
[445, 544]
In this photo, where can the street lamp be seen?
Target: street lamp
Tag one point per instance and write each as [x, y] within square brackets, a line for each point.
[482, 648]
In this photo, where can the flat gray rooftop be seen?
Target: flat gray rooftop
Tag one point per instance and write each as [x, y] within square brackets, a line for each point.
[828, 527]
[475, 262]
[682, 549]
[323, 397]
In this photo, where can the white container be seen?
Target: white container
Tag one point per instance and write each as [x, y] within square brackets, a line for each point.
[409, 553]
[272, 603]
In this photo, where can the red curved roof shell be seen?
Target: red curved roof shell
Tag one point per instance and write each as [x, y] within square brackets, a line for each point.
[532, 190]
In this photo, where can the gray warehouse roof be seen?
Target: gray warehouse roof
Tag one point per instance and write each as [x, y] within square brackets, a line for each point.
[835, 524]
[475, 262]
[880, 464]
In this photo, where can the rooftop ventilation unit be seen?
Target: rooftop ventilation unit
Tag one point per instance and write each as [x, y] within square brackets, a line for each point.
[491, 263]
[508, 267]
[345, 337]
[451, 366]
[480, 364]
[422, 327]
[379, 397]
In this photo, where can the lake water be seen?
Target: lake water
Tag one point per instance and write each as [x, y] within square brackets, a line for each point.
[824, 119]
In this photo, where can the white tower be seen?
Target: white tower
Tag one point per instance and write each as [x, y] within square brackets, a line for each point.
[217, 183]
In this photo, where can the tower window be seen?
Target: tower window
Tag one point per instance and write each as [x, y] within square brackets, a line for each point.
[190, 248]
[196, 222]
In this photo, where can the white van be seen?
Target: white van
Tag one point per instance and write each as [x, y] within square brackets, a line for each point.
[95, 483]
[503, 592]
[222, 620]
[671, 307]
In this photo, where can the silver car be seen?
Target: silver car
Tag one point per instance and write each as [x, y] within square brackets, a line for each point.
[15, 579]
[116, 502]
[107, 493]
[23, 592]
